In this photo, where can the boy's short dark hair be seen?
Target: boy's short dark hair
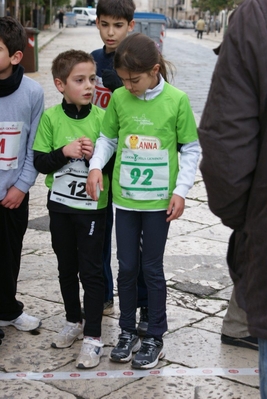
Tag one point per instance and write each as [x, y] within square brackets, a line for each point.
[12, 34]
[116, 9]
[64, 63]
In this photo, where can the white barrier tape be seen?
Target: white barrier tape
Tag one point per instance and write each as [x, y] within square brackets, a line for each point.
[164, 372]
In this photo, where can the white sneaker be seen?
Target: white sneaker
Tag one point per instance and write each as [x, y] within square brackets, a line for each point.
[70, 333]
[108, 308]
[90, 354]
[23, 323]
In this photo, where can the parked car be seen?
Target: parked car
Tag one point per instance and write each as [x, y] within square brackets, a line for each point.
[168, 22]
[189, 24]
[181, 23]
[174, 23]
[85, 15]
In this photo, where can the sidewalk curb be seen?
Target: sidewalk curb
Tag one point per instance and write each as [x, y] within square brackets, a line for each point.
[50, 39]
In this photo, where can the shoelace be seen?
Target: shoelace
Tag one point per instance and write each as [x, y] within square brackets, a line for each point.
[124, 339]
[66, 329]
[147, 347]
[88, 348]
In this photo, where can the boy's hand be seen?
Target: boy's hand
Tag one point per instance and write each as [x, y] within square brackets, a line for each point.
[94, 181]
[13, 199]
[73, 149]
[87, 148]
[175, 208]
[110, 79]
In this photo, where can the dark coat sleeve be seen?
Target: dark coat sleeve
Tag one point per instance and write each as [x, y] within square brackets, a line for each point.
[229, 130]
[49, 162]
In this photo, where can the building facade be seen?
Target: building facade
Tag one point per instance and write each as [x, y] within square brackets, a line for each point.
[178, 9]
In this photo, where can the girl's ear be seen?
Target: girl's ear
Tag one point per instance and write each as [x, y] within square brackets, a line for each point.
[16, 58]
[155, 69]
[59, 85]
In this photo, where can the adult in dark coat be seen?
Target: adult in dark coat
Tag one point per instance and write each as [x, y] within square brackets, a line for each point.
[233, 136]
[61, 19]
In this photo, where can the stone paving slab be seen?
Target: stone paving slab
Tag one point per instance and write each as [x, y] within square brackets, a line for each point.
[193, 347]
[32, 390]
[184, 388]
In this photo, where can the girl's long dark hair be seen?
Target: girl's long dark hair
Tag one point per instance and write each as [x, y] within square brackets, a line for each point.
[138, 53]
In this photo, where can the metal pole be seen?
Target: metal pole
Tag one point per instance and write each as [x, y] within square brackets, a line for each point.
[2, 8]
[17, 9]
[50, 5]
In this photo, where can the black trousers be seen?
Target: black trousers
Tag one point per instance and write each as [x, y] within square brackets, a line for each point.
[13, 225]
[77, 240]
[199, 34]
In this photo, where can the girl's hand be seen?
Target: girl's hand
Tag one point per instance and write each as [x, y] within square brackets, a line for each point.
[175, 208]
[94, 180]
[73, 149]
[87, 148]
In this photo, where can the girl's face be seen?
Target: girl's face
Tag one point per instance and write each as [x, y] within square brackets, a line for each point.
[80, 84]
[138, 83]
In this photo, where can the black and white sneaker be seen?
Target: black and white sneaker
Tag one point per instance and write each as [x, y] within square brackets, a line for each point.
[2, 334]
[128, 343]
[143, 322]
[149, 354]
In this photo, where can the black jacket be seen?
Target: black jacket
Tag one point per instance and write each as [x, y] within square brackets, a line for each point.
[233, 136]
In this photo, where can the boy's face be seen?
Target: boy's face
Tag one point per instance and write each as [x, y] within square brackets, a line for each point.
[80, 84]
[113, 31]
[7, 62]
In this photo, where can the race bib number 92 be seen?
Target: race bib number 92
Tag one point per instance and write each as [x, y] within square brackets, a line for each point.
[144, 175]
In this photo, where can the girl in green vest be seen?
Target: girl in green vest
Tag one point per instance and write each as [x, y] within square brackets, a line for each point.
[146, 121]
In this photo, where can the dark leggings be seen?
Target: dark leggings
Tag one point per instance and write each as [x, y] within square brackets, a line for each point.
[129, 225]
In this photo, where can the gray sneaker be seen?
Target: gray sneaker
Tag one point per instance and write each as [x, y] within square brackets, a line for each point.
[66, 337]
[108, 308]
[91, 351]
[127, 344]
[24, 322]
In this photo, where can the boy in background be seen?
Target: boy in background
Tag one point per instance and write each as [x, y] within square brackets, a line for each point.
[21, 106]
[114, 21]
[62, 149]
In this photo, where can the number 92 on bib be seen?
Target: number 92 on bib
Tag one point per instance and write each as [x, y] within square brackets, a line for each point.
[144, 174]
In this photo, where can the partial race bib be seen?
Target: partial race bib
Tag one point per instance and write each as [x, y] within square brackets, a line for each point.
[10, 133]
[102, 95]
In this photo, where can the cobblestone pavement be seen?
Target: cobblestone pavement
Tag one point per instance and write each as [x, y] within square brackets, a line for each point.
[196, 364]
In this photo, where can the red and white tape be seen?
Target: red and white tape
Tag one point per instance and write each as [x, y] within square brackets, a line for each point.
[164, 372]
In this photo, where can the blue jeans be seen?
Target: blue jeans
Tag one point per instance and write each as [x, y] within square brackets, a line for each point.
[129, 225]
[263, 367]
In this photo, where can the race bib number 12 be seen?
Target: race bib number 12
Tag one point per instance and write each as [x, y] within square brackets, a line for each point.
[69, 186]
